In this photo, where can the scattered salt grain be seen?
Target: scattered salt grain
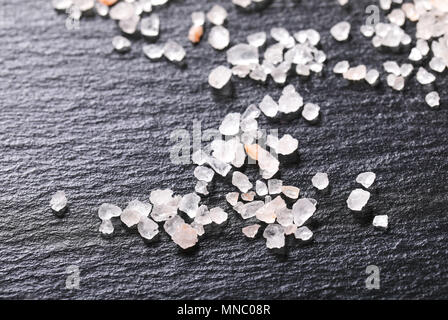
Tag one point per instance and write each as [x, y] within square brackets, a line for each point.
[217, 15]
[58, 201]
[107, 211]
[173, 51]
[219, 77]
[241, 181]
[121, 44]
[310, 112]
[190, 204]
[340, 31]
[147, 228]
[106, 227]
[303, 233]
[380, 221]
[366, 179]
[251, 231]
[357, 199]
[432, 99]
[275, 236]
[219, 37]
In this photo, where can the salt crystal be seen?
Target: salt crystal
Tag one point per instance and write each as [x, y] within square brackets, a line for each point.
[287, 145]
[340, 31]
[240, 156]
[302, 210]
[422, 46]
[160, 197]
[219, 166]
[106, 211]
[101, 9]
[153, 51]
[185, 236]
[274, 53]
[61, 5]
[357, 199]
[203, 173]
[341, 67]
[122, 11]
[218, 215]
[303, 233]
[219, 37]
[392, 67]
[173, 51]
[432, 99]
[190, 204]
[437, 64]
[313, 37]
[146, 5]
[195, 33]
[380, 221]
[134, 212]
[372, 77]
[310, 112]
[241, 181]
[241, 71]
[106, 227]
[261, 188]
[249, 209]
[258, 74]
[320, 180]
[252, 112]
[302, 70]
[268, 164]
[275, 186]
[203, 216]
[269, 107]
[242, 3]
[291, 192]
[129, 26]
[217, 15]
[424, 77]
[198, 18]
[397, 17]
[201, 188]
[356, 73]
[231, 124]
[291, 229]
[157, 2]
[342, 2]
[251, 231]
[199, 157]
[199, 228]
[366, 179]
[58, 201]
[147, 228]
[406, 69]
[290, 101]
[257, 39]
[385, 4]
[415, 55]
[284, 217]
[248, 196]
[282, 36]
[367, 31]
[167, 210]
[275, 236]
[121, 44]
[268, 212]
[171, 225]
[219, 77]
[232, 198]
[242, 54]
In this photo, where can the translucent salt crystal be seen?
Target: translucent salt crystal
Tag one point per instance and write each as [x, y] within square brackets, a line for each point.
[380, 221]
[185, 236]
[356, 73]
[257, 39]
[198, 18]
[219, 77]
[219, 166]
[406, 69]
[357, 199]
[290, 100]
[316, 67]
[159, 197]
[153, 51]
[199, 228]
[199, 157]
[291, 192]
[121, 44]
[367, 31]
[313, 37]
[372, 77]
[232, 198]
[310, 112]
[397, 17]
[106, 227]
[249, 209]
[147, 228]
[219, 37]
[165, 211]
[291, 229]
[284, 217]
[268, 164]
[340, 31]
[422, 46]
[274, 53]
[218, 215]
[268, 212]
[225, 150]
[341, 67]
[410, 11]
[437, 64]
[217, 15]
[275, 236]
[203, 216]
[173, 51]
[231, 124]
[282, 36]
[101, 9]
[201, 188]
[261, 188]
[415, 55]
[248, 196]
[392, 67]
[287, 145]
[385, 4]
[241, 181]
[258, 74]
[366, 179]
[269, 107]
[432, 99]
[302, 210]
[320, 180]
[251, 231]
[424, 77]
[203, 173]
[302, 70]
[275, 186]
[107, 211]
[242, 3]
[280, 73]
[61, 5]
[241, 71]
[396, 83]
[129, 26]
[190, 204]
[134, 212]
[242, 54]
[252, 112]
[240, 156]
[303, 233]
[146, 5]
[172, 224]
[58, 201]
[122, 11]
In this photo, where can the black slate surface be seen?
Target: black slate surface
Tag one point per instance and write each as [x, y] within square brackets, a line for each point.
[79, 117]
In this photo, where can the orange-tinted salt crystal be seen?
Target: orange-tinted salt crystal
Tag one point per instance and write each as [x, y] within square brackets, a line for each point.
[252, 150]
[195, 33]
[108, 2]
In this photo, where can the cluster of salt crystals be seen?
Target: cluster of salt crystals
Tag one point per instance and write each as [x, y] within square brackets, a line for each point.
[357, 73]
[129, 15]
[397, 74]
[297, 50]
[431, 40]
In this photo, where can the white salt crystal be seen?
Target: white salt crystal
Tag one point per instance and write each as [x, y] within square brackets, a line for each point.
[415, 55]
[121, 44]
[269, 107]
[261, 188]
[258, 74]
[257, 39]
[167, 210]
[274, 53]
[203, 216]
[320, 180]
[219, 166]
[372, 77]
[250, 209]
[106, 211]
[147, 228]
[106, 227]
[173, 51]
[217, 15]
[58, 201]
[275, 236]
[185, 236]
[392, 67]
[171, 225]
[232, 198]
[357, 199]
[252, 112]
[342, 2]
[219, 77]
[303, 233]
[61, 5]
[432, 99]
[231, 124]
[437, 64]
[287, 145]
[241, 71]
[248, 196]
[290, 101]
[340, 31]
[268, 164]
[302, 210]
[385, 4]
[153, 51]
[397, 17]
[356, 73]
[275, 186]
[366, 179]
[341, 67]
[218, 215]
[203, 173]
[129, 26]
[424, 77]
[367, 31]
[406, 69]
[242, 54]
[284, 217]
[122, 11]
[380, 221]
[160, 197]
[251, 231]
[134, 212]
[198, 18]
[303, 70]
[219, 37]
[190, 204]
[242, 3]
[310, 112]
[201, 188]
[291, 192]
[268, 212]
[241, 181]
[422, 46]
[149, 26]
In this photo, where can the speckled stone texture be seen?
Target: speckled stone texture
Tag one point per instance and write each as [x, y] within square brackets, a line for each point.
[78, 117]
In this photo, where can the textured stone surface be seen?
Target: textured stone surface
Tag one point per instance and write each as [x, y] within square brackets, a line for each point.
[79, 117]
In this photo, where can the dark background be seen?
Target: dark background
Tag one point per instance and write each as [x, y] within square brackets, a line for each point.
[78, 117]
